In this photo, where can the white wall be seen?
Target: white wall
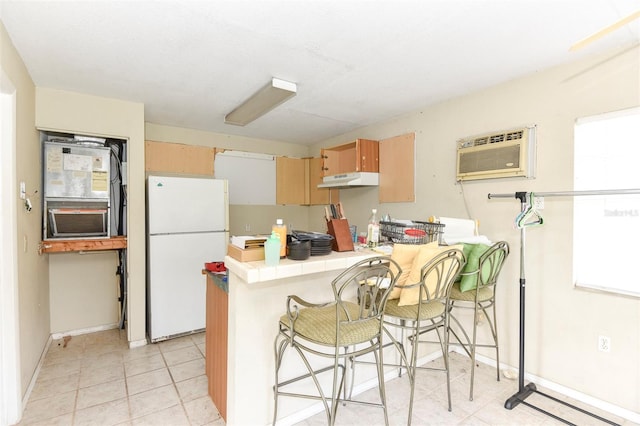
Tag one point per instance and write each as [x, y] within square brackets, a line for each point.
[563, 323]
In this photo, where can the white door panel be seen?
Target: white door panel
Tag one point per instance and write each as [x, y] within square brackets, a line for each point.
[179, 204]
[176, 285]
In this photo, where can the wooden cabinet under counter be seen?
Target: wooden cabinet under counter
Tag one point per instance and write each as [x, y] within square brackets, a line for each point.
[216, 340]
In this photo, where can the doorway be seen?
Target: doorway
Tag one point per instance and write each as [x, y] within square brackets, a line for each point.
[10, 399]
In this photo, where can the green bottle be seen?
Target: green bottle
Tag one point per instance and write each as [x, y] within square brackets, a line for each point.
[272, 250]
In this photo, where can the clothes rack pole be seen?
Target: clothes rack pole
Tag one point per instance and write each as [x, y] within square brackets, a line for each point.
[526, 391]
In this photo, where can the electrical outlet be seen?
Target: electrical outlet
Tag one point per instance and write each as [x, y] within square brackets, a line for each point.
[604, 344]
[247, 227]
[538, 203]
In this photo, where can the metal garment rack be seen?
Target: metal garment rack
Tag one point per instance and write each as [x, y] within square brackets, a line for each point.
[526, 206]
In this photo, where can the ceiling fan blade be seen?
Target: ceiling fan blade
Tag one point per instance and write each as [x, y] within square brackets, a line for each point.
[624, 21]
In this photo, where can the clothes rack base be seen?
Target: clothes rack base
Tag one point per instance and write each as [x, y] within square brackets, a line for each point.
[524, 392]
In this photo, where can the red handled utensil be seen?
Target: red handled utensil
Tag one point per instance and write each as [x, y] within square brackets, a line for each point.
[413, 232]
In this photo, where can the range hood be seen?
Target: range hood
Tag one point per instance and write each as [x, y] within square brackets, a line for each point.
[350, 180]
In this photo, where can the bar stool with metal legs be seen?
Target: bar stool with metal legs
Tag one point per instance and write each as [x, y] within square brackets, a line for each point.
[477, 291]
[424, 311]
[348, 326]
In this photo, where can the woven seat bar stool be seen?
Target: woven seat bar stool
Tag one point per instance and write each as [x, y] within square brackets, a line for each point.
[348, 326]
[482, 300]
[429, 313]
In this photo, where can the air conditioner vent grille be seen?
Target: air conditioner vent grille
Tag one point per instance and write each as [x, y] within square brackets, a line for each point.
[493, 138]
[510, 153]
[503, 158]
[514, 135]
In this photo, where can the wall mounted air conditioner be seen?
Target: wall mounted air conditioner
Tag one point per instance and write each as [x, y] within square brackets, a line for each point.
[509, 153]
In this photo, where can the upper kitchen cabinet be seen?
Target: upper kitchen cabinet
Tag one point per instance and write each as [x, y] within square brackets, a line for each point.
[397, 169]
[388, 164]
[165, 157]
[360, 155]
[290, 180]
[297, 182]
[318, 195]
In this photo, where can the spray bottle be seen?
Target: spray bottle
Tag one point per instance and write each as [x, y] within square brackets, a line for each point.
[281, 229]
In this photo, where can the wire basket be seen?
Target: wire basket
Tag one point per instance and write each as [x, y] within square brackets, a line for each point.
[415, 233]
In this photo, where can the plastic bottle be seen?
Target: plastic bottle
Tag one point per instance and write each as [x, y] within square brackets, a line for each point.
[272, 250]
[281, 229]
[373, 229]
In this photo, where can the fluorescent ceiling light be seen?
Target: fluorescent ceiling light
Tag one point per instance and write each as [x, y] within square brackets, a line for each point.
[266, 99]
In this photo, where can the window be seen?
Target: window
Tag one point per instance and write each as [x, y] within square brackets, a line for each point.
[606, 232]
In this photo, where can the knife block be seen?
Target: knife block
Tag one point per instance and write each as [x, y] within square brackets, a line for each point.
[342, 239]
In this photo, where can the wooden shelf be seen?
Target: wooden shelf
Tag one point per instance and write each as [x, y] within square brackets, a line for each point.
[59, 246]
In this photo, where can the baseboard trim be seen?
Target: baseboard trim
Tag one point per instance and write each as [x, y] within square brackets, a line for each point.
[35, 374]
[137, 343]
[571, 393]
[81, 331]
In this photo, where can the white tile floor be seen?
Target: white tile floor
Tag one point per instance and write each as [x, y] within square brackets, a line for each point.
[97, 380]
[487, 408]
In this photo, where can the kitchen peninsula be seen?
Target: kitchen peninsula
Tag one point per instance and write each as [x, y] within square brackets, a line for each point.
[256, 297]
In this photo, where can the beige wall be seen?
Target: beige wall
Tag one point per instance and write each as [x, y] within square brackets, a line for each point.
[259, 219]
[86, 303]
[563, 323]
[33, 273]
[70, 112]
[162, 133]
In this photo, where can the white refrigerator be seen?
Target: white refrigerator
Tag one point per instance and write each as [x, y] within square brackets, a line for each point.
[187, 226]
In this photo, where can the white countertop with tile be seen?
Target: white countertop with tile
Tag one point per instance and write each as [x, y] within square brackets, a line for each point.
[257, 298]
[255, 272]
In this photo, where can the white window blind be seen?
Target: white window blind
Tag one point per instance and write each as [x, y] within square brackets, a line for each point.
[606, 233]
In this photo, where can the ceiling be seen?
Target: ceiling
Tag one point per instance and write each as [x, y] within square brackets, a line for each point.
[355, 62]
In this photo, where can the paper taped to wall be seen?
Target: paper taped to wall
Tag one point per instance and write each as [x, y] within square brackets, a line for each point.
[458, 230]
